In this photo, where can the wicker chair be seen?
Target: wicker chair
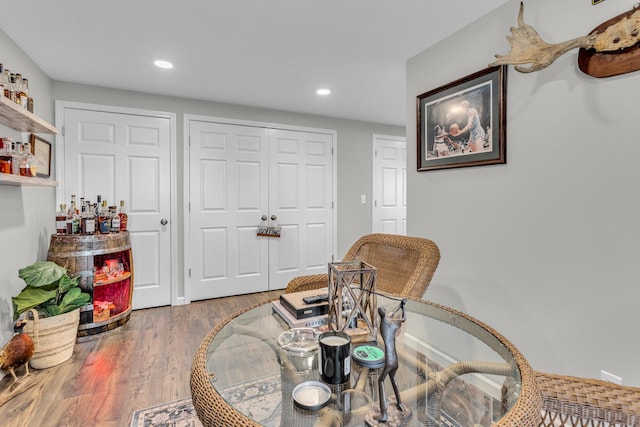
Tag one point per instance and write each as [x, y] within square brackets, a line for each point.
[405, 264]
[581, 402]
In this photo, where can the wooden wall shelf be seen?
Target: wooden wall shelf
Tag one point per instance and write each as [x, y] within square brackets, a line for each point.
[15, 117]
[12, 115]
[17, 180]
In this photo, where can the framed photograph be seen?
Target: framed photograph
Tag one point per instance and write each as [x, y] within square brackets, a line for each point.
[41, 150]
[463, 123]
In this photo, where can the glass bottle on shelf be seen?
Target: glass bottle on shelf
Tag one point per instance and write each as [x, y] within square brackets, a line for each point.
[124, 218]
[61, 219]
[115, 219]
[17, 153]
[6, 83]
[15, 91]
[104, 219]
[3, 82]
[6, 155]
[21, 94]
[98, 212]
[70, 213]
[27, 165]
[90, 220]
[77, 220]
[83, 217]
[94, 215]
[29, 97]
[12, 87]
[26, 101]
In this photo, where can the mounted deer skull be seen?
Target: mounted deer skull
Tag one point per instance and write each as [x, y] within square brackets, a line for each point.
[528, 48]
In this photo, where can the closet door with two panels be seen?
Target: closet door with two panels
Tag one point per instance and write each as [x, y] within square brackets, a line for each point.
[241, 174]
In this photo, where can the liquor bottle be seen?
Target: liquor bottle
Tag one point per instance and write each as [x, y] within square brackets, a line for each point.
[70, 213]
[30, 101]
[89, 221]
[25, 166]
[98, 212]
[12, 87]
[104, 219]
[6, 83]
[73, 218]
[6, 155]
[124, 218]
[29, 162]
[23, 160]
[16, 153]
[61, 219]
[83, 216]
[27, 103]
[76, 221]
[3, 80]
[115, 219]
[21, 94]
[94, 216]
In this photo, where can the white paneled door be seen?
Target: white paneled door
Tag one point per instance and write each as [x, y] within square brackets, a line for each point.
[301, 197]
[240, 174]
[126, 156]
[389, 185]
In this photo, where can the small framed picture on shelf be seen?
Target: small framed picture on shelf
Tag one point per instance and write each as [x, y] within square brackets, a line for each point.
[41, 150]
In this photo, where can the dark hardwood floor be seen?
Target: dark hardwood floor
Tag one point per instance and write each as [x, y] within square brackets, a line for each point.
[143, 363]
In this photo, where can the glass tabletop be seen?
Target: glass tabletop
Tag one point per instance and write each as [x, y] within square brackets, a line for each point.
[453, 371]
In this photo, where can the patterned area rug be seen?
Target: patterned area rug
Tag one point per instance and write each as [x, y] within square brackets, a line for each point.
[259, 398]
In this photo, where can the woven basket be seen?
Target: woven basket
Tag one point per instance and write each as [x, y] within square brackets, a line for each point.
[53, 337]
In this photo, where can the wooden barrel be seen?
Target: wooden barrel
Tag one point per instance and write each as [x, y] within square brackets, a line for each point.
[80, 255]
[77, 252]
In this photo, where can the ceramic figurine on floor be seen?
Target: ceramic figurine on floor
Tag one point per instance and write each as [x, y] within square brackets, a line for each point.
[17, 351]
[389, 325]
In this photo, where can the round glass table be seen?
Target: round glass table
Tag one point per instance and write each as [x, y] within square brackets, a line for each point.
[453, 371]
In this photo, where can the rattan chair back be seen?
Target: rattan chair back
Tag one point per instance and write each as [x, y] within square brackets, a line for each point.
[405, 264]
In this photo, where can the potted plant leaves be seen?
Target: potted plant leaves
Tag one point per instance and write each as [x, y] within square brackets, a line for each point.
[50, 302]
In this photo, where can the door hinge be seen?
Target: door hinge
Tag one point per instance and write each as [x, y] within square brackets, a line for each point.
[189, 272]
[62, 130]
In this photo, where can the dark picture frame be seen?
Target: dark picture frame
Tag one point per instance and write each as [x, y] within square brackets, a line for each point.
[41, 151]
[463, 123]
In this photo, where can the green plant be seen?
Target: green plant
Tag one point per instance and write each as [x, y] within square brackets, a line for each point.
[49, 290]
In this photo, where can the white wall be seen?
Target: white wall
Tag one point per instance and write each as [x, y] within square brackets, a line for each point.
[26, 213]
[354, 147]
[545, 248]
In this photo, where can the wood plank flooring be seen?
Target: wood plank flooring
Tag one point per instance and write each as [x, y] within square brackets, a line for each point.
[143, 363]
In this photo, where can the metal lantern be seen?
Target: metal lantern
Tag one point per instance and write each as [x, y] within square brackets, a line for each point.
[352, 301]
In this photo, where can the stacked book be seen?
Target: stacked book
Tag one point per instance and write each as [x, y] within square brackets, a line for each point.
[306, 309]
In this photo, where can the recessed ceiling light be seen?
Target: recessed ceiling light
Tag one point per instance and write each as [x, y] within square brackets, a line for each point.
[323, 91]
[161, 63]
